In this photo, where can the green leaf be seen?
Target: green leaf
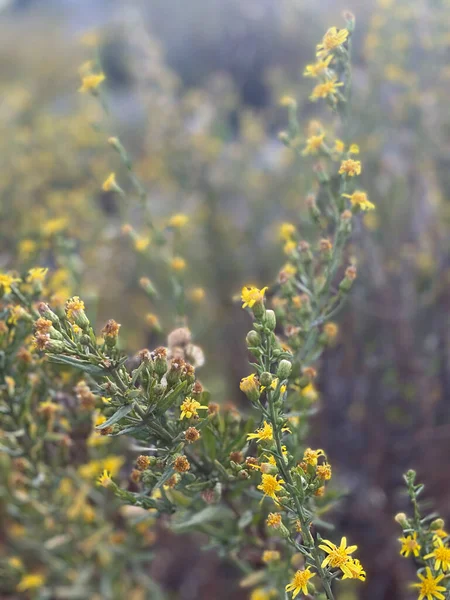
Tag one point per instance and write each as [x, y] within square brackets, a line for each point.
[76, 363]
[171, 398]
[122, 412]
[209, 443]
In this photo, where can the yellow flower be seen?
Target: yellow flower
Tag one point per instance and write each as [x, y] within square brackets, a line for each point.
[331, 40]
[441, 554]
[141, 243]
[110, 183]
[250, 385]
[270, 556]
[270, 485]
[350, 167]
[15, 562]
[354, 149]
[177, 263]
[263, 594]
[251, 295]
[326, 89]
[53, 226]
[410, 545]
[90, 83]
[317, 68]
[37, 274]
[353, 569]
[105, 479]
[273, 520]
[428, 586]
[178, 221]
[6, 281]
[190, 407]
[26, 248]
[30, 582]
[311, 456]
[287, 230]
[359, 198]
[74, 305]
[197, 294]
[299, 582]
[337, 555]
[313, 144]
[263, 433]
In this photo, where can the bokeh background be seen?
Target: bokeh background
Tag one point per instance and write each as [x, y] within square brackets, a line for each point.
[193, 92]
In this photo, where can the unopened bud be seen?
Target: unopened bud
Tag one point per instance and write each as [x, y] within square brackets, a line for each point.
[284, 369]
[270, 320]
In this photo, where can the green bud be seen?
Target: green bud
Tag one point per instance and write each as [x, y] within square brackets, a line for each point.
[253, 339]
[266, 379]
[284, 369]
[270, 320]
[46, 312]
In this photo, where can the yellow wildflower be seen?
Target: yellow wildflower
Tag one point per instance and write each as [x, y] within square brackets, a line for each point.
[263, 594]
[270, 485]
[53, 226]
[339, 146]
[105, 479]
[141, 243]
[37, 274]
[251, 295]
[273, 520]
[250, 385]
[30, 582]
[90, 83]
[15, 562]
[318, 67]
[26, 248]
[178, 221]
[287, 101]
[110, 183]
[428, 586]
[299, 582]
[270, 556]
[197, 294]
[313, 144]
[353, 569]
[264, 433]
[350, 167]
[441, 554]
[177, 263]
[6, 282]
[359, 198]
[410, 545]
[190, 407]
[326, 89]
[331, 40]
[287, 230]
[354, 149]
[311, 456]
[74, 305]
[337, 555]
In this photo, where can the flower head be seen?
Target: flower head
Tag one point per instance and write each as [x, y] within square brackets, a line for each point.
[6, 281]
[313, 144]
[441, 555]
[110, 183]
[331, 40]
[190, 407]
[337, 555]
[318, 67]
[270, 485]
[429, 587]
[359, 199]
[91, 82]
[263, 433]
[353, 569]
[273, 520]
[251, 295]
[350, 167]
[410, 545]
[32, 581]
[37, 274]
[326, 89]
[299, 582]
[105, 479]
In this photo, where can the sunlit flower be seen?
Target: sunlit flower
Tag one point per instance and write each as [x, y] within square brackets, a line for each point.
[105, 479]
[359, 198]
[91, 82]
[429, 587]
[178, 221]
[273, 520]
[299, 582]
[270, 485]
[410, 545]
[264, 433]
[251, 295]
[337, 555]
[190, 407]
[318, 67]
[331, 40]
[32, 581]
[6, 282]
[110, 183]
[441, 554]
[327, 89]
[353, 569]
[313, 144]
[350, 167]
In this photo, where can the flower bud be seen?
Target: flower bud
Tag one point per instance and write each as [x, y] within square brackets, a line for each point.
[437, 524]
[402, 520]
[266, 379]
[270, 320]
[284, 369]
[46, 312]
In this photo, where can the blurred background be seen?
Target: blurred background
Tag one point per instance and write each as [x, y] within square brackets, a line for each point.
[193, 92]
